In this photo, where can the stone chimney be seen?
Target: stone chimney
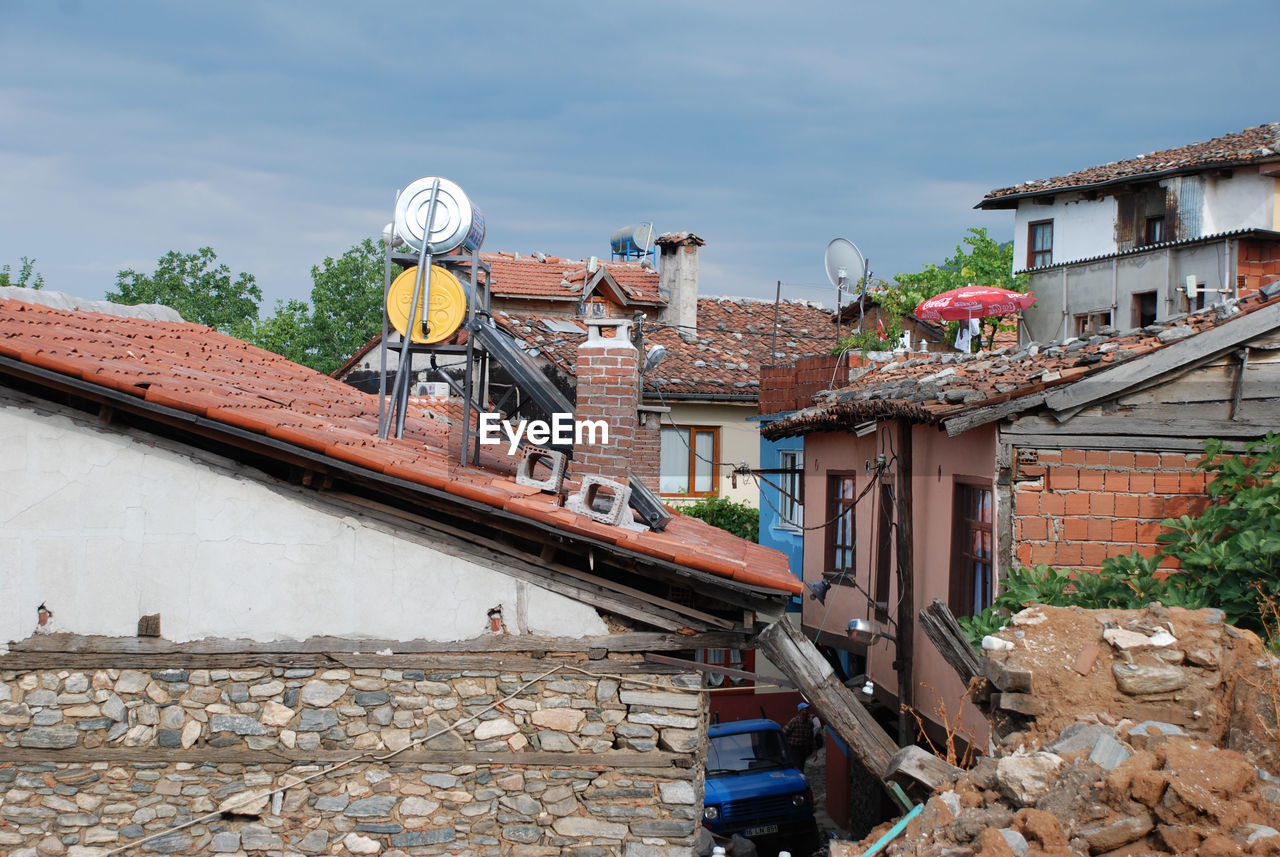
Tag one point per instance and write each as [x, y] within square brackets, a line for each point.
[678, 281]
[608, 380]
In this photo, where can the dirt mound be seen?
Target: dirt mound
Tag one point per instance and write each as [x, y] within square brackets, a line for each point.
[1120, 733]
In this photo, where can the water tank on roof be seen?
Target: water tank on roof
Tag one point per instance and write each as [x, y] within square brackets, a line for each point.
[632, 242]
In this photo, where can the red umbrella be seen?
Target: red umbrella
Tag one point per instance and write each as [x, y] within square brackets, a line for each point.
[973, 302]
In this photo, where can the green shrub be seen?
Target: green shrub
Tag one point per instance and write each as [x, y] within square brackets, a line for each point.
[741, 519]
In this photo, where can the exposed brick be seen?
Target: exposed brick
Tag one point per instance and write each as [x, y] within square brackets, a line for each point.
[1175, 507]
[1090, 480]
[1092, 554]
[1096, 456]
[1126, 506]
[1068, 554]
[1115, 481]
[1167, 483]
[1077, 504]
[1124, 531]
[1064, 478]
[1147, 531]
[1142, 483]
[1122, 459]
[1146, 459]
[1036, 528]
[1150, 507]
[1052, 504]
[1102, 503]
[1193, 483]
[1073, 456]
[1099, 529]
[1075, 528]
[1043, 554]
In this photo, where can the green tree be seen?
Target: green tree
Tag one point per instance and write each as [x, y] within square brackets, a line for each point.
[27, 277]
[199, 288]
[741, 519]
[345, 311]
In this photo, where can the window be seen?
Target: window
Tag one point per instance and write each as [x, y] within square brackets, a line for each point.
[884, 551]
[1144, 309]
[1155, 230]
[1091, 322]
[971, 554]
[790, 499]
[841, 531]
[1040, 243]
[685, 462]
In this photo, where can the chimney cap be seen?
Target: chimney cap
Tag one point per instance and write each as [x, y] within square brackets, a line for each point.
[679, 238]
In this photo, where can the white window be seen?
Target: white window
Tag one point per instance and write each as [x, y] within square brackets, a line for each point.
[686, 465]
[790, 507]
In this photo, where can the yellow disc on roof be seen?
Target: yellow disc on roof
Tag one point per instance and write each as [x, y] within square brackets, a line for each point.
[447, 309]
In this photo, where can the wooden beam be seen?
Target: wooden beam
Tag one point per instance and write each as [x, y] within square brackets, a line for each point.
[981, 416]
[922, 766]
[1171, 426]
[1110, 383]
[635, 641]
[716, 669]
[1064, 440]
[839, 708]
[940, 625]
[905, 633]
[416, 756]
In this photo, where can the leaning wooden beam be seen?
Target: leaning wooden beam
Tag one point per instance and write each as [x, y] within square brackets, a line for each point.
[716, 669]
[839, 708]
[940, 624]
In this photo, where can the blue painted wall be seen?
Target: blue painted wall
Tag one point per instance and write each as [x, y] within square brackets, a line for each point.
[773, 533]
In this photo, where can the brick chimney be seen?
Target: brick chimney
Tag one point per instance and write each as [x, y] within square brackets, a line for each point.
[608, 380]
[678, 281]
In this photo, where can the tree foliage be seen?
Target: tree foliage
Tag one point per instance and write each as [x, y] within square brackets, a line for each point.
[1229, 554]
[741, 519]
[345, 311]
[198, 287]
[27, 277]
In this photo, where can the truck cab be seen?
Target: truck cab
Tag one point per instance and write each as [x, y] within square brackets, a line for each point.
[753, 789]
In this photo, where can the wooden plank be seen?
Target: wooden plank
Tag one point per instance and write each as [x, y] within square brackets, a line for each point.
[1064, 440]
[1211, 384]
[1138, 428]
[941, 627]
[922, 766]
[242, 756]
[716, 669]
[981, 416]
[635, 641]
[1109, 383]
[839, 708]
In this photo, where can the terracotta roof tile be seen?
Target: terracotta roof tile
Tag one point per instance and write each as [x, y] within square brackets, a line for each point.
[1261, 143]
[545, 277]
[931, 388]
[734, 339]
[199, 371]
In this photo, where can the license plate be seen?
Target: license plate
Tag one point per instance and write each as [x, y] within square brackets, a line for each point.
[762, 830]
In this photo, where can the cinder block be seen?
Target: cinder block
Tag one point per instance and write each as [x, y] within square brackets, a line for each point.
[601, 499]
[555, 461]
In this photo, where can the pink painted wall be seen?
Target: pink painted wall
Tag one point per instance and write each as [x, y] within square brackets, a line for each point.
[938, 461]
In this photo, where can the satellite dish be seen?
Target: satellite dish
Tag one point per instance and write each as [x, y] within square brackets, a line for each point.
[846, 265]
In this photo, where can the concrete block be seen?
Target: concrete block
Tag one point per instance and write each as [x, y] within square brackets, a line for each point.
[556, 462]
[601, 499]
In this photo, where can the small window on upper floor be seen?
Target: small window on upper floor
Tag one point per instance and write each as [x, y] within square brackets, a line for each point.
[791, 497]
[1040, 243]
[1155, 230]
[1144, 309]
[1090, 323]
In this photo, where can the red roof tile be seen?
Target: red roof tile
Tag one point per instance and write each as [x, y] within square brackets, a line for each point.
[191, 368]
[1252, 145]
[934, 387]
[546, 276]
[735, 337]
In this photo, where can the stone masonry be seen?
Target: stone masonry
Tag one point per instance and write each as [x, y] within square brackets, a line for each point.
[585, 766]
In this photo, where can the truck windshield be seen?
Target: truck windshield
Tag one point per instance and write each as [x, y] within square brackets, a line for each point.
[747, 751]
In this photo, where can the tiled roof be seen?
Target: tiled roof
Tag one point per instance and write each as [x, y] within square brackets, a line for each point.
[935, 387]
[734, 339]
[543, 276]
[1251, 145]
[196, 370]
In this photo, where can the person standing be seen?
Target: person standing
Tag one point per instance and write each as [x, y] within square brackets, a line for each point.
[798, 734]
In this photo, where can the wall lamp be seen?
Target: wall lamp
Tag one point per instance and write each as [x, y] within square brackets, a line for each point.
[865, 632]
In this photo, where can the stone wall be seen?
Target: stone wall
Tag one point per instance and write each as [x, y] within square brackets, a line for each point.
[466, 762]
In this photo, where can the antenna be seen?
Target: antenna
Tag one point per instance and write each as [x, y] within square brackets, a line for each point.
[845, 265]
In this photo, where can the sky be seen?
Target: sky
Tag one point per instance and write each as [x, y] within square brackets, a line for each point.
[277, 132]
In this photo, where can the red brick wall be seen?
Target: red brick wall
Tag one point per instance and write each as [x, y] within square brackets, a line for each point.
[1257, 263]
[608, 384]
[789, 388]
[1073, 508]
[646, 450]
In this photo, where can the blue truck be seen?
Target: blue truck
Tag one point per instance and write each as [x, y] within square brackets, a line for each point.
[753, 789]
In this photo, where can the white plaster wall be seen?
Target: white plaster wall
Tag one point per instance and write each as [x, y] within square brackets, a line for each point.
[104, 529]
[1247, 200]
[1081, 228]
[739, 441]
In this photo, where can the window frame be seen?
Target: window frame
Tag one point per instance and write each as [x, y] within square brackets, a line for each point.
[1137, 299]
[1089, 323]
[838, 506]
[884, 551]
[1034, 254]
[692, 460]
[961, 591]
[1148, 237]
[791, 508]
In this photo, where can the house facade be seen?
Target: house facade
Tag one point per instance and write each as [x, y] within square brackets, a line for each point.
[1061, 454]
[239, 621]
[1141, 240]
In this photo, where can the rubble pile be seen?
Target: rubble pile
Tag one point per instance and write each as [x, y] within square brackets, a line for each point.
[1116, 733]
